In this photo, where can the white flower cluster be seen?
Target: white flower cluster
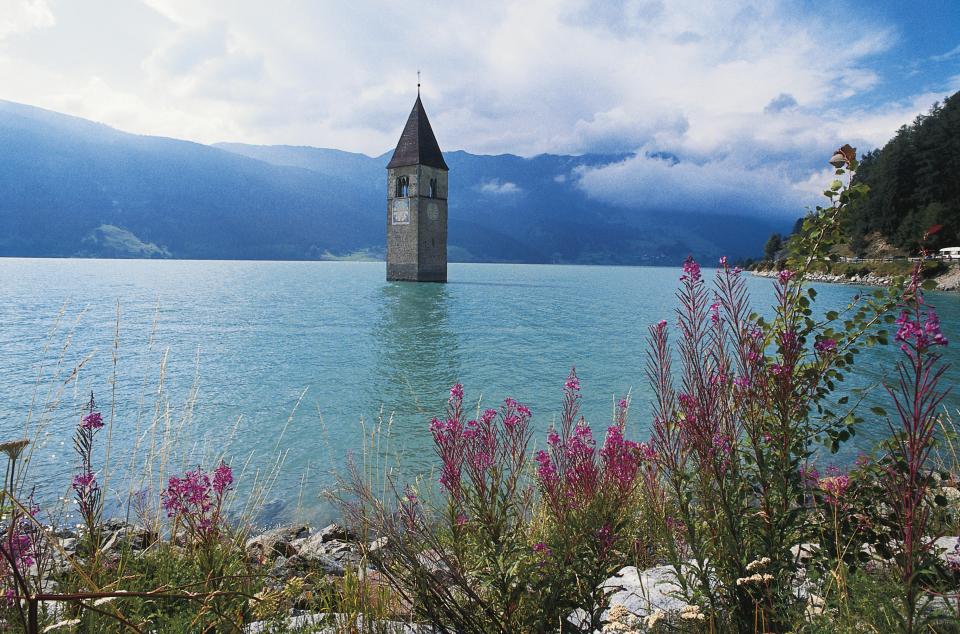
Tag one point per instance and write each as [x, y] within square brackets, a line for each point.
[755, 578]
[692, 613]
[621, 621]
[758, 563]
[655, 617]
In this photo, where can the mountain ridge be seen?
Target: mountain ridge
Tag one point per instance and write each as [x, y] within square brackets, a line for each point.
[74, 187]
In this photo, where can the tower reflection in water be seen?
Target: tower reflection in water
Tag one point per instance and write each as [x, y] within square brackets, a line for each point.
[418, 359]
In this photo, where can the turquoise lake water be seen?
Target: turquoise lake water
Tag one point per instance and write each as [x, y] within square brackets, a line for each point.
[256, 336]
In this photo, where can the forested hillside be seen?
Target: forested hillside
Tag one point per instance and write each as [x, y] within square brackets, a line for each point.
[914, 184]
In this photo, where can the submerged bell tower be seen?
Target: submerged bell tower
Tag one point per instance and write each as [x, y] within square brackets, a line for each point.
[417, 204]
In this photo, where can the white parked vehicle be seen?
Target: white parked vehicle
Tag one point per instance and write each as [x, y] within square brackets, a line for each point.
[950, 253]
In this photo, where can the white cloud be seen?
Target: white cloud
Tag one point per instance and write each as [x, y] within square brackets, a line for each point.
[20, 16]
[495, 186]
[729, 88]
[720, 186]
[954, 52]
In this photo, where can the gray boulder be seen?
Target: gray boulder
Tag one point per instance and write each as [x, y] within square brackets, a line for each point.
[345, 554]
[266, 546]
[335, 531]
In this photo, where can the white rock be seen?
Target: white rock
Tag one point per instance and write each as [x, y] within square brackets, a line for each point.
[946, 546]
[643, 592]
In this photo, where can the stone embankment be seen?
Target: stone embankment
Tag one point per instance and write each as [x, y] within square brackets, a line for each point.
[831, 278]
[949, 281]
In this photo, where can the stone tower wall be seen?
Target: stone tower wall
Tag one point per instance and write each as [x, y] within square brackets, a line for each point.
[417, 226]
[432, 223]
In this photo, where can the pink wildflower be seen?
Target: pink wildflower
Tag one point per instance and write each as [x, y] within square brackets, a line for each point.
[785, 276]
[789, 342]
[825, 346]
[809, 475]
[921, 337]
[646, 452]
[543, 550]
[835, 487]
[691, 270]
[93, 420]
[222, 478]
[605, 538]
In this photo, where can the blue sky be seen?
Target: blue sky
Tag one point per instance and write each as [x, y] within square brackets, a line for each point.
[750, 96]
[924, 46]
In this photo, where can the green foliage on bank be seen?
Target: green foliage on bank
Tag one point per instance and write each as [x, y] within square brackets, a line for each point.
[914, 201]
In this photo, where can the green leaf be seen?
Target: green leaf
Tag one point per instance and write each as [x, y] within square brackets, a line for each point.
[879, 411]
[929, 285]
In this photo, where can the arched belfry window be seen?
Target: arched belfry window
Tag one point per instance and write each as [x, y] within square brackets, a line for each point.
[432, 191]
[403, 186]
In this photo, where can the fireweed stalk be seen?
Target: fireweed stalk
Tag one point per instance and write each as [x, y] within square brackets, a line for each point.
[916, 397]
[502, 552]
[487, 498]
[589, 497]
[22, 553]
[86, 490]
[195, 503]
[833, 492]
[731, 441]
[462, 560]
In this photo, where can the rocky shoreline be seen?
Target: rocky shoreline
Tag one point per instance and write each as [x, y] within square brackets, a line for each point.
[949, 281]
[636, 595]
[309, 558]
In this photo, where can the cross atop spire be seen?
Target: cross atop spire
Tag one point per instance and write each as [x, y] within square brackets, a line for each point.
[418, 82]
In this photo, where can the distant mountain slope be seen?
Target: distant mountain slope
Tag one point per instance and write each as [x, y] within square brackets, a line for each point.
[72, 187]
[506, 207]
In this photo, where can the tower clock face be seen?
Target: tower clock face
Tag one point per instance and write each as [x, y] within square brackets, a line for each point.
[433, 211]
[401, 211]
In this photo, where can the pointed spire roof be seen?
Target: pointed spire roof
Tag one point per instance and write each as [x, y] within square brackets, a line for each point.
[417, 144]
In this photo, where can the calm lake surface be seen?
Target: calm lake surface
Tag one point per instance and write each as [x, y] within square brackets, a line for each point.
[256, 338]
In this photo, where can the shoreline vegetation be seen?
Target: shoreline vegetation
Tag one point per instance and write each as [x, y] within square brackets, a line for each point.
[728, 517]
[914, 210]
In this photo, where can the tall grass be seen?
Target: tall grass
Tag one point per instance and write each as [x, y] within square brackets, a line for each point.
[118, 585]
